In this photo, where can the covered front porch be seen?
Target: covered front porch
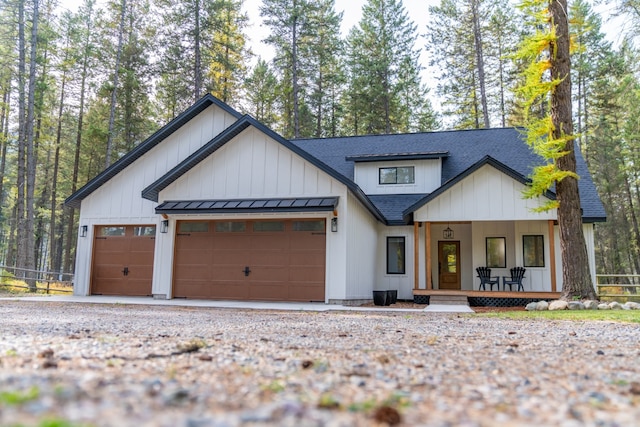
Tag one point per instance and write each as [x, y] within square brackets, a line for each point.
[446, 255]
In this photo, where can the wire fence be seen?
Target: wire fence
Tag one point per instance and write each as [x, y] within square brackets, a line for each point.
[626, 286]
[44, 281]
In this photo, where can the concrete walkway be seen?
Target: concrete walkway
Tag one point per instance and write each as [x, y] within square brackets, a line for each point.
[251, 305]
[448, 308]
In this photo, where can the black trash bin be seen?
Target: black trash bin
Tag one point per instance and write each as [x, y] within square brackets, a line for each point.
[392, 296]
[380, 298]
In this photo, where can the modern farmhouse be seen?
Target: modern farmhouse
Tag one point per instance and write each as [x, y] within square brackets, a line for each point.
[215, 205]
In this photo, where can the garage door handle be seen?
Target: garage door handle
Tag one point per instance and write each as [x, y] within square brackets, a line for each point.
[246, 271]
[125, 271]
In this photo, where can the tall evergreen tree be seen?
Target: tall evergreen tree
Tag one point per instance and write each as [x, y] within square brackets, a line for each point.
[383, 66]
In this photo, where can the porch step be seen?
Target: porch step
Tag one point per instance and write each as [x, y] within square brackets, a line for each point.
[448, 300]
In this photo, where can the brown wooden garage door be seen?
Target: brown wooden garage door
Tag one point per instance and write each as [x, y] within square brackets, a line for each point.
[276, 260]
[123, 260]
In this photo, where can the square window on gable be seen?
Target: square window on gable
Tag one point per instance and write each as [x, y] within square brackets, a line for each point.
[397, 175]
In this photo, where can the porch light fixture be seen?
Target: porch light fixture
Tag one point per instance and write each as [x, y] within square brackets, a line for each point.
[447, 233]
[164, 226]
[83, 231]
[334, 224]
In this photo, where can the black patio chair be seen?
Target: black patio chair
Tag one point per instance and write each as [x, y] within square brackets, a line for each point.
[517, 274]
[484, 273]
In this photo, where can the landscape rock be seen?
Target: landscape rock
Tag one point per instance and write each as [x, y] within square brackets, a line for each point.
[615, 305]
[542, 306]
[603, 306]
[576, 305]
[532, 306]
[591, 304]
[631, 305]
[558, 305]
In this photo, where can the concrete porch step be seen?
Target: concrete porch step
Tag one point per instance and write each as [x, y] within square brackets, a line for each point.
[448, 300]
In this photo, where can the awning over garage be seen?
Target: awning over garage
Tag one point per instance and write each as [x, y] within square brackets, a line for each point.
[314, 204]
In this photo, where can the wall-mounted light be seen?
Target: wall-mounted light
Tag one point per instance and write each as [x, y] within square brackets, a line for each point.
[334, 224]
[83, 231]
[447, 233]
[164, 226]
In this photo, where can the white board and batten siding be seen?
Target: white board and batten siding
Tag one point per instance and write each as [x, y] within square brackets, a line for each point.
[251, 166]
[486, 195]
[360, 260]
[427, 174]
[119, 201]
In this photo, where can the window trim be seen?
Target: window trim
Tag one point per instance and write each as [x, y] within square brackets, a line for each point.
[524, 249]
[413, 175]
[404, 255]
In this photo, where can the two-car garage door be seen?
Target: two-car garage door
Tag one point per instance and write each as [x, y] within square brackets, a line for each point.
[277, 260]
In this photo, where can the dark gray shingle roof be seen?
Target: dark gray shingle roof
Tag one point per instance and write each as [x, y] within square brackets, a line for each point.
[465, 148]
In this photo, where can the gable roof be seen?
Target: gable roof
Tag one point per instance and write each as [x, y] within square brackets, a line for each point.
[486, 160]
[505, 146]
[203, 103]
[153, 190]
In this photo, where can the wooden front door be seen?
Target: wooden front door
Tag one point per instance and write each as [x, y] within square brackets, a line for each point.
[449, 265]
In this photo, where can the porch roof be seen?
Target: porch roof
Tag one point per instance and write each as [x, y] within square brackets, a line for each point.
[314, 204]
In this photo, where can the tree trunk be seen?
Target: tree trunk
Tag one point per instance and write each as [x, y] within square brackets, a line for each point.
[71, 233]
[114, 90]
[30, 262]
[576, 277]
[4, 130]
[54, 259]
[197, 90]
[477, 38]
[294, 70]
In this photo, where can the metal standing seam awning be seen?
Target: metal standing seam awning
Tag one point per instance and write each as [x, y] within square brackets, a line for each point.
[313, 204]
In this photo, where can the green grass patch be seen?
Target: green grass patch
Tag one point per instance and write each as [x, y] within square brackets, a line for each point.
[629, 316]
[13, 398]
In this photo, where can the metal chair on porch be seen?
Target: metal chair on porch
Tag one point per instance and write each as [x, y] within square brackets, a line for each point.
[517, 274]
[484, 274]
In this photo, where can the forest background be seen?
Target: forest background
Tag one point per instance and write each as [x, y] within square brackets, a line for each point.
[81, 86]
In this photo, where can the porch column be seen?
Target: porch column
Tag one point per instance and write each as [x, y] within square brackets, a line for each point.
[427, 244]
[552, 255]
[416, 255]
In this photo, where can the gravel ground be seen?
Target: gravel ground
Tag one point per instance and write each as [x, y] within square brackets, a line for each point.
[120, 365]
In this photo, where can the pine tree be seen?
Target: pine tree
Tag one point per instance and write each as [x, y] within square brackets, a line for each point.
[383, 66]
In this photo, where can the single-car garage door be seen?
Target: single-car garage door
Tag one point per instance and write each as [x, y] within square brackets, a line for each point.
[276, 260]
[123, 260]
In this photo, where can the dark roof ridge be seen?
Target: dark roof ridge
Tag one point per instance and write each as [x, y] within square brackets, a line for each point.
[407, 133]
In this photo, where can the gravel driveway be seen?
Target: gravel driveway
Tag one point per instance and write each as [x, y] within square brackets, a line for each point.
[123, 365]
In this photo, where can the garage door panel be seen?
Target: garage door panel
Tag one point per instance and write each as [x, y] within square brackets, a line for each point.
[265, 258]
[193, 257]
[122, 264]
[304, 273]
[313, 258]
[142, 244]
[277, 257]
[304, 292]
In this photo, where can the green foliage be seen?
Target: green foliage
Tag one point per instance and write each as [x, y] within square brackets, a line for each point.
[537, 50]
